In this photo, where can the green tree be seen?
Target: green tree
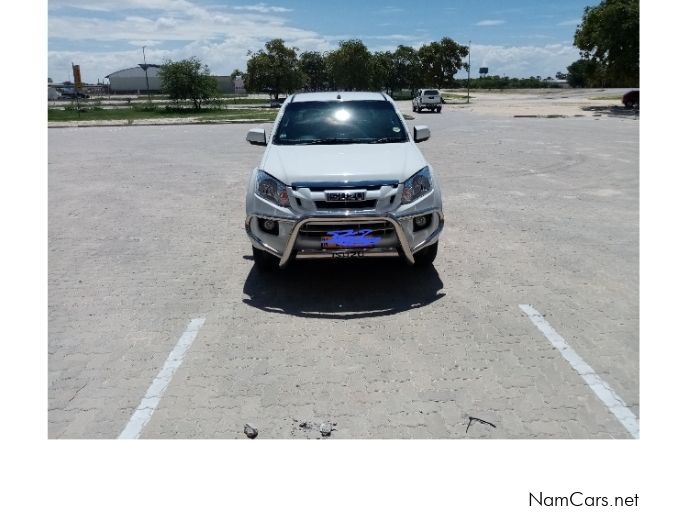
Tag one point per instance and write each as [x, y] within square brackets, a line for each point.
[609, 34]
[274, 69]
[382, 72]
[441, 60]
[351, 65]
[585, 73]
[407, 67]
[188, 79]
[313, 66]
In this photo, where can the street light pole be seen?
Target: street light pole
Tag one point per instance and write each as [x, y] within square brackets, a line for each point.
[468, 83]
[145, 69]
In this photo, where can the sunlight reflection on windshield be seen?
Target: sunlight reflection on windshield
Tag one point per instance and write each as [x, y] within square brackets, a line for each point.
[342, 115]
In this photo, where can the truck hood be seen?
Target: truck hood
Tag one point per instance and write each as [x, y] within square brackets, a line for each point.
[350, 162]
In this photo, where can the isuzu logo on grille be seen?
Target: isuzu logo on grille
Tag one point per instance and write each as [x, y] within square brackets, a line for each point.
[346, 196]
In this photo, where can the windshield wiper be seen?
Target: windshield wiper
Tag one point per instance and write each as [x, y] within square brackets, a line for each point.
[329, 141]
[387, 140]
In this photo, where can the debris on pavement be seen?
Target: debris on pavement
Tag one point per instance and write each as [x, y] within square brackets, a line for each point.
[326, 429]
[250, 432]
[471, 419]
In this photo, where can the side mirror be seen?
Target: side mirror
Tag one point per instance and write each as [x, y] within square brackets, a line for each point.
[257, 137]
[421, 133]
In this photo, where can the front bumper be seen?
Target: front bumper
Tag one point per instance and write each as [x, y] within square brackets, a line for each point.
[290, 243]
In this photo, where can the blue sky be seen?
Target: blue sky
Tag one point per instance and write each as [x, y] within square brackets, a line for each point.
[515, 38]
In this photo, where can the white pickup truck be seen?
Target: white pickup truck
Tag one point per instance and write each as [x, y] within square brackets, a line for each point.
[342, 177]
[427, 99]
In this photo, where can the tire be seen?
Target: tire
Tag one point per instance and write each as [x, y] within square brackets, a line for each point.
[415, 109]
[426, 256]
[265, 261]
[439, 109]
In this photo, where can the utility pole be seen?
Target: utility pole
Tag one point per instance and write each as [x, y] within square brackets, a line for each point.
[145, 69]
[76, 74]
[468, 83]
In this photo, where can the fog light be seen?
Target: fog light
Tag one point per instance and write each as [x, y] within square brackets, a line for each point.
[269, 226]
[421, 222]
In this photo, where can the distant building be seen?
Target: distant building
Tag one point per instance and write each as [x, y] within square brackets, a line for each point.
[225, 84]
[133, 80]
[561, 83]
[53, 94]
[239, 85]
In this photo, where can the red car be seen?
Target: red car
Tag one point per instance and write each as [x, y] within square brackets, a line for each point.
[631, 99]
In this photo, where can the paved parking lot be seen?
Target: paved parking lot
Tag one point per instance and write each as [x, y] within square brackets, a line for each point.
[146, 234]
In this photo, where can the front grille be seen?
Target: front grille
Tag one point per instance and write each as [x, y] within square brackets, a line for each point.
[340, 185]
[319, 229]
[370, 188]
[327, 205]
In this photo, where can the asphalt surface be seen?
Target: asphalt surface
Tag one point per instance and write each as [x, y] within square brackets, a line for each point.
[146, 234]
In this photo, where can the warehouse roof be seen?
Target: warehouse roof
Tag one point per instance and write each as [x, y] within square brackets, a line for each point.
[133, 68]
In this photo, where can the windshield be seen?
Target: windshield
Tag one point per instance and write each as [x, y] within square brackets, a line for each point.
[337, 122]
[432, 92]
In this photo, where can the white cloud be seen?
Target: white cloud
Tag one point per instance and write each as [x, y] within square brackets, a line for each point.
[218, 39]
[122, 5]
[523, 61]
[174, 27]
[569, 23]
[165, 23]
[144, 43]
[262, 8]
[490, 23]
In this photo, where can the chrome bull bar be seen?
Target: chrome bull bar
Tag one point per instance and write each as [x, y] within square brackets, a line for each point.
[406, 249]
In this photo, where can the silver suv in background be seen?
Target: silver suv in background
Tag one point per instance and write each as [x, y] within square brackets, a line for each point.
[427, 99]
[342, 177]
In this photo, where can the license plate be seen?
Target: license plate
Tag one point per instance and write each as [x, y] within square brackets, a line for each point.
[348, 254]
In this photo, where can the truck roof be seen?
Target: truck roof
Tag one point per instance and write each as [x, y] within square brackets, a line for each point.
[324, 96]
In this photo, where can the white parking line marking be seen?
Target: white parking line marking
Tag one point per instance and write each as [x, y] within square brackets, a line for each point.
[603, 391]
[149, 403]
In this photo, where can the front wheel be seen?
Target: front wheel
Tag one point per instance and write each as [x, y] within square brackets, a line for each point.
[265, 261]
[439, 109]
[426, 256]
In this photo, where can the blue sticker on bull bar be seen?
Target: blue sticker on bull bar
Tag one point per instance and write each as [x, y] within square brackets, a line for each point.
[349, 239]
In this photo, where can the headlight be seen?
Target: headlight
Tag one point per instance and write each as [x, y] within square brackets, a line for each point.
[271, 189]
[417, 186]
